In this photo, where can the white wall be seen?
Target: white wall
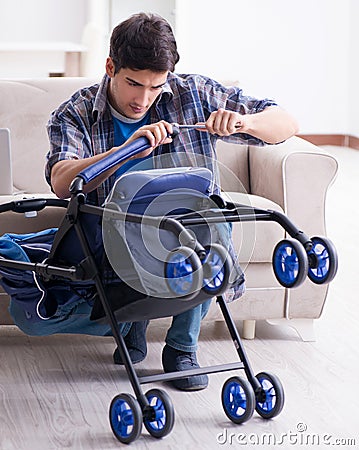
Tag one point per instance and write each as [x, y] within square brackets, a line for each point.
[353, 69]
[104, 15]
[121, 10]
[295, 52]
[42, 20]
[26, 24]
[96, 37]
[303, 54]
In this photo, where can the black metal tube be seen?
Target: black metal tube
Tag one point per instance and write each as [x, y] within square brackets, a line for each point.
[238, 344]
[42, 269]
[133, 378]
[76, 185]
[32, 204]
[240, 213]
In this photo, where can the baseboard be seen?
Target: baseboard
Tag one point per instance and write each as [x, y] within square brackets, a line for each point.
[340, 140]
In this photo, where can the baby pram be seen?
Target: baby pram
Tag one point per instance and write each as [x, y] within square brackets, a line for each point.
[43, 270]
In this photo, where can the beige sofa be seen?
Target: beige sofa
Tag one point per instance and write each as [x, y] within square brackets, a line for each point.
[292, 177]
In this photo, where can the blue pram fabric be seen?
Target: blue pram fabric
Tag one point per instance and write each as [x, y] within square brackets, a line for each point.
[38, 298]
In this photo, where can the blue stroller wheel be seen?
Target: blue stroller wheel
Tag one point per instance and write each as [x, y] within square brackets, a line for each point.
[290, 263]
[183, 272]
[216, 270]
[125, 418]
[159, 419]
[270, 399]
[238, 399]
[323, 261]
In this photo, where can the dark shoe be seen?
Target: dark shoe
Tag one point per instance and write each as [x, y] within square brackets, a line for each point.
[135, 341]
[174, 361]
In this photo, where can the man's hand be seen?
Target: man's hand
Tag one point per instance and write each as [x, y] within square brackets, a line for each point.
[157, 133]
[225, 123]
[272, 125]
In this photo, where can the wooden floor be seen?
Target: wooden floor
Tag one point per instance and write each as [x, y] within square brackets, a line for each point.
[55, 391]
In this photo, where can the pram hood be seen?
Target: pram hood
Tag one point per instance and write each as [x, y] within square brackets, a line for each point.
[159, 193]
[150, 191]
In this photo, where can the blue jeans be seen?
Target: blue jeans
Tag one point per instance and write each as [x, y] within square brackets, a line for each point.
[182, 335]
[184, 331]
[68, 319]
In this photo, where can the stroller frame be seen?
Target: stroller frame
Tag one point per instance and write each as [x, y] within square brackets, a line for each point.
[262, 392]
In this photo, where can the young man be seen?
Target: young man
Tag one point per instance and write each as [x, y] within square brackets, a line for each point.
[140, 95]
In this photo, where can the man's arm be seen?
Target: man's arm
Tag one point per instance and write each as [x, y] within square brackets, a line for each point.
[272, 125]
[63, 172]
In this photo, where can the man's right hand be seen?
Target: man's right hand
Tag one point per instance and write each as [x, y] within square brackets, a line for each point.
[157, 133]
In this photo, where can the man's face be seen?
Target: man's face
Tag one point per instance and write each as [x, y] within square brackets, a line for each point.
[133, 92]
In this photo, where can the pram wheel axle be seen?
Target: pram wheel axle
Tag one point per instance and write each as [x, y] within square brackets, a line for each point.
[126, 416]
[292, 261]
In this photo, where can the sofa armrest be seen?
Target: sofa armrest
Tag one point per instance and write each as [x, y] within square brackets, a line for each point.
[296, 175]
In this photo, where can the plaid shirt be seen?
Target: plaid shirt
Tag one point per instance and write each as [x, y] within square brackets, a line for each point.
[83, 126]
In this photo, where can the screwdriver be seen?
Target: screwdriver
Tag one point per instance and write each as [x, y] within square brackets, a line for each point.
[201, 126]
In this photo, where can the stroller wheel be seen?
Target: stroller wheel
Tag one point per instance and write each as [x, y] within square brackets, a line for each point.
[238, 399]
[183, 272]
[323, 261]
[160, 418]
[216, 270]
[290, 263]
[270, 399]
[125, 418]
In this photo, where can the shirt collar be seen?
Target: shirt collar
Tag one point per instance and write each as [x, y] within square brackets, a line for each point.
[100, 103]
[167, 93]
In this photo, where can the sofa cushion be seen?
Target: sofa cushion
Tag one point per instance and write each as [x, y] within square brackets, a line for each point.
[25, 108]
[233, 166]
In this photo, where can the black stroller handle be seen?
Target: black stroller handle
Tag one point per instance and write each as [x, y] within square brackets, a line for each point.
[32, 204]
[90, 173]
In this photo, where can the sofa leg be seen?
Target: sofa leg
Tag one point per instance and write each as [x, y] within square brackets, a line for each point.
[304, 327]
[249, 329]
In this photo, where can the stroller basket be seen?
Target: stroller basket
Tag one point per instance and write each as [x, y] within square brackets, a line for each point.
[160, 246]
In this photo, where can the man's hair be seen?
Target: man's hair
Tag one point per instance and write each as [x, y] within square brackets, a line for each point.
[144, 42]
